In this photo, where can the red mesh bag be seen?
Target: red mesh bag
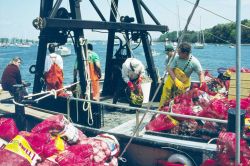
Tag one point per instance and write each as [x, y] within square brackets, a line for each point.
[220, 107]
[53, 124]
[101, 151]
[206, 89]
[12, 159]
[54, 146]
[59, 125]
[223, 159]
[18, 153]
[217, 109]
[161, 123]
[78, 155]
[182, 109]
[109, 144]
[227, 144]
[243, 70]
[244, 103]
[186, 98]
[244, 161]
[48, 162]
[8, 129]
[209, 162]
[44, 144]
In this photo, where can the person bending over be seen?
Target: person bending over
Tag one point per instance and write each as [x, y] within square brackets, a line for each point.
[132, 72]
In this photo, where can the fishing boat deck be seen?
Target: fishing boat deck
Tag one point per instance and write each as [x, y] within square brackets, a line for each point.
[111, 119]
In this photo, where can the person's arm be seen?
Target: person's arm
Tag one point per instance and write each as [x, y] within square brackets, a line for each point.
[199, 71]
[171, 67]
[201, 77]
[125, 73]
[18, 76]
[46, 64]
[171, 73]
[97, 64]
[98, 69]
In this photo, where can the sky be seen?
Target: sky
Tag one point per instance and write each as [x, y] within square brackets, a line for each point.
[16, 16]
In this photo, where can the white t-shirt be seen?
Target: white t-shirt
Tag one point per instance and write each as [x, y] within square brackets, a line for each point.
[53, 58]
[127, 72]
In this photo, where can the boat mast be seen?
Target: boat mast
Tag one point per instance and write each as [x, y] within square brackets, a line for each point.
[179, 22]
[238, 68]
[202, 41]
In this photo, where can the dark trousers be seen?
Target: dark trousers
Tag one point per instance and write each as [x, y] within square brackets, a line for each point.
[120, 88]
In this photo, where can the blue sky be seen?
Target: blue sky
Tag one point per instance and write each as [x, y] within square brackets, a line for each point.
[16, 16]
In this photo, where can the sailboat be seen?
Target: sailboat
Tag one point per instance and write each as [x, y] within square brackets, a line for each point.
[174, 44]
[200, 39]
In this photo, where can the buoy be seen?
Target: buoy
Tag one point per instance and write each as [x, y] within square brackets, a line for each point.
[179, 158]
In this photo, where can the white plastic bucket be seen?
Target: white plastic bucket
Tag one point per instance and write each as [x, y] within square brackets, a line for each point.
[146, 86]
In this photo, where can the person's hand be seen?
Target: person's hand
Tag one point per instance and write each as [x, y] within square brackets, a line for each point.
[139, 80]
[179, 84]
[202, 84]
[131, 86]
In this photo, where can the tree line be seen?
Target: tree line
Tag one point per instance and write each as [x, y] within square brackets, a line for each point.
[221, 34]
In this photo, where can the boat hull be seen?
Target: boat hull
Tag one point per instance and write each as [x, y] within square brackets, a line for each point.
[143, 151]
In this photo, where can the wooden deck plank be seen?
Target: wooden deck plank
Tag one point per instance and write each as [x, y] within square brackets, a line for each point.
[244, 86]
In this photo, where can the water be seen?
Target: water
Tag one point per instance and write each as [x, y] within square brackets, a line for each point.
[211, 57]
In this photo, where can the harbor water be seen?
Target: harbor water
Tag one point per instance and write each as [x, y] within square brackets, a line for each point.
[211, 57]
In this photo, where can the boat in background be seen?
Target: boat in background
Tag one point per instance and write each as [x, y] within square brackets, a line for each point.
[200, 44]
[64, 51]
[23, 45]
[231, 46]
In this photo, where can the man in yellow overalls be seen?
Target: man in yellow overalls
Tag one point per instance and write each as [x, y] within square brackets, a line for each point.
[180, 69]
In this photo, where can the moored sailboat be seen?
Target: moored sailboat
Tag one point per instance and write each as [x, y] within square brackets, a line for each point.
[200, 44]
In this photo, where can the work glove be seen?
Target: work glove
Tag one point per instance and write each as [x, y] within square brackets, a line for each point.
[131, 86]
[179, 84]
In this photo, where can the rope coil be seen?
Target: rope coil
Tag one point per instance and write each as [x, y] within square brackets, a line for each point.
[86, 105]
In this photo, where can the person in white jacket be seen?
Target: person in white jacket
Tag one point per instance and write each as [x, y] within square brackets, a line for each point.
[53, 70]
[132, 72]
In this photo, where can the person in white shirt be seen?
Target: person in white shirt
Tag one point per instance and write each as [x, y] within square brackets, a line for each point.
[132, 72]
[53, 70]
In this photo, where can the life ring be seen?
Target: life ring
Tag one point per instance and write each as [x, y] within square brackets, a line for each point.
[179, 158]
[32, 69]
